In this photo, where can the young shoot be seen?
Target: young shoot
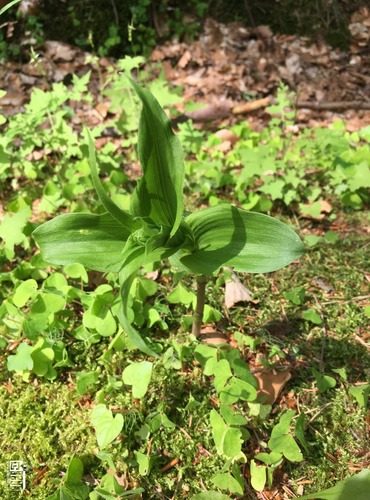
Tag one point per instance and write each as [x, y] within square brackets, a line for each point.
[157, 227]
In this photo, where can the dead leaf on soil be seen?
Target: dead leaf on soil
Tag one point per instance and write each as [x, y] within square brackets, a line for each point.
[210, 335]
[271, 383]
[59, 51]
[121, 480]
[184, 59]
[236, 292]
[102, 108]
[228, 138]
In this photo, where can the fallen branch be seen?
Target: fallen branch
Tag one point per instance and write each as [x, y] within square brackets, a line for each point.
[223, 109]
[317, 106]
[333, 106]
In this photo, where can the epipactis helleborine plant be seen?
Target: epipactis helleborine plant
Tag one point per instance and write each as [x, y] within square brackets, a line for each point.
[157, 227]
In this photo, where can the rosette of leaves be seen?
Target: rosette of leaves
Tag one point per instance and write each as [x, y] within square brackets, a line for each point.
[157, 227]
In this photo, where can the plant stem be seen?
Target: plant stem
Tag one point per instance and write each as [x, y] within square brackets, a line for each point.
[198, 314]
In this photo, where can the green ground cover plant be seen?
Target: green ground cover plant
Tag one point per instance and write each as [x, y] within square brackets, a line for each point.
[96, 418]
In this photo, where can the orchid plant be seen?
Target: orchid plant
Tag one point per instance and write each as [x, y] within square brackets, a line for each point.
[157, 227]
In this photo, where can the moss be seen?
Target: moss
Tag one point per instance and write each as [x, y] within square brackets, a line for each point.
[43, 425]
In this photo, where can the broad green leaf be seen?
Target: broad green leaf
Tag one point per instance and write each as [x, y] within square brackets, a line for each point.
[207, 357]
[138, 375]
[361, 393]
[158, 420]
[258, 476]
[232, 444]
[286, 445]
[11, 230]
[170, 360]
[144, 463]
[76, 271]
[95, 241]
[134, 258]
[237, 389]
[146, 288]
[219, 428]
[228, 440]
[74, 471]
[296, 295]
[299, 431]
[324, 382]
[227, 482]
[248, 241]
[57, 281]
[312, 315]
[65, 494]
[312, 239]
[51, 301]
[242, 370]
[122, 217]
[152, 315]
[22, 360]
[100, 318]
[158, 196]
[282, 441]
[356, 487]
[272, 458]
[43, 357]
[106, 426]
[231, 416]
[341, 372]
[283, 426]
[222, 374]
[331, 237]
[180, 295]
[361, 176]
[84, 380]
[24, 292]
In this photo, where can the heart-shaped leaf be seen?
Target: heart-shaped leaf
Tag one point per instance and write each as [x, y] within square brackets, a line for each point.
[138, 375]
[22, 360]
[228, 440]
[106, 426]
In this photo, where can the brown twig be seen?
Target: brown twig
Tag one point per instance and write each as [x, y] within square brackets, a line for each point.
[317, 106]
[170, 464]
[217, 112]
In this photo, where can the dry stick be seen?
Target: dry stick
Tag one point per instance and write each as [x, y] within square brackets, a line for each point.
[333, 106]
[317, 106]
[198, 315]
[223, 109]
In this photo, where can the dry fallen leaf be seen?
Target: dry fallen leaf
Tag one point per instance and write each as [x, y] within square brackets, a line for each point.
[184, 59]
[271, 383]
[211, 336]
[236, 292]
[59, 51]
